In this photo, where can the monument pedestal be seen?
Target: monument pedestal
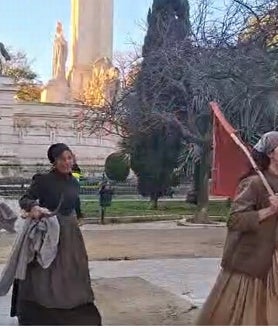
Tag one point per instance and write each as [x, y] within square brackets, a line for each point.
[56, 91]
[8, 90]
[78, 80]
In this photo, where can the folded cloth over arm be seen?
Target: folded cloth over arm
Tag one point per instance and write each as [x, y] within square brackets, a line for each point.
[37, 241]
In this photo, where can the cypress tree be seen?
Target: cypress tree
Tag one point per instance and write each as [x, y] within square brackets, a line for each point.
[168, 23]
[154, 152]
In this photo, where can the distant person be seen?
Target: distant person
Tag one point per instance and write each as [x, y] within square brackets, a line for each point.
[105, 189]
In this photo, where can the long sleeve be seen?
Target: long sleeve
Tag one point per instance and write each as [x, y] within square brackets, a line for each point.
[244, 215]
[29, 199]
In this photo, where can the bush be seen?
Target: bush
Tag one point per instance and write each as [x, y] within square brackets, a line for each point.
[117, 167]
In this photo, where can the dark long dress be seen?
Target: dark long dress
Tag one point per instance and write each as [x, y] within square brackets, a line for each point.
[61, 294]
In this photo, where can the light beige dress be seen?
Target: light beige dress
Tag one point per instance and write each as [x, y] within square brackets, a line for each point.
[240, 299]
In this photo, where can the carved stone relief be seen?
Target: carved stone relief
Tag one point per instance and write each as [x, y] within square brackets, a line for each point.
[52, 129]
[21, 126]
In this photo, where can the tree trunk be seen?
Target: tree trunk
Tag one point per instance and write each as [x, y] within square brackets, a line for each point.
[196, 182]
[192, 195]
[154, 202]
[203, 187]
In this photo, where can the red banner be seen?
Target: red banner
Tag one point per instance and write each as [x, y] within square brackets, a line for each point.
[229, 161]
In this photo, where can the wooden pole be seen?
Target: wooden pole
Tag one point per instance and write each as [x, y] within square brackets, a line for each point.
[253, 163]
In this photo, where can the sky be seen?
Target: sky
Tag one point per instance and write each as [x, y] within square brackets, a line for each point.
[29, 26]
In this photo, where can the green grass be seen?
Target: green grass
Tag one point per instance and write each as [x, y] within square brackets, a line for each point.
[142, 208]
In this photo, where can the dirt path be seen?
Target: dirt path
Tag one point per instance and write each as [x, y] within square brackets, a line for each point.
[160, 243]
[143, 242]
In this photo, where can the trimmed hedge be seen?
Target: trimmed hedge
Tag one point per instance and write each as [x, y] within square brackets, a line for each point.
[117, 167]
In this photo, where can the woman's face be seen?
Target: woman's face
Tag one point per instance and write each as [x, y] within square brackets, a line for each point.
[64, 162]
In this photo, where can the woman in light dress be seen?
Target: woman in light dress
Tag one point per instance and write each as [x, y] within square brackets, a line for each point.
[246, 290]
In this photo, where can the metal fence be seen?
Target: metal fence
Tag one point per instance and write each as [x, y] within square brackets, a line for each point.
[91, 190]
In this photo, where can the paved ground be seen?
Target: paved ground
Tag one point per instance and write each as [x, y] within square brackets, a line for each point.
[188, 278]
[134, 301]
[146, 292]
[171, 269]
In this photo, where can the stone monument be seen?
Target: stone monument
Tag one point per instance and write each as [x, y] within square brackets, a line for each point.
[103, 85]
[57, 90]
[91, 40]
[27, 129]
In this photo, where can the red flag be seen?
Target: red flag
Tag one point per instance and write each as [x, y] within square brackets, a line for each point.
[229, 161]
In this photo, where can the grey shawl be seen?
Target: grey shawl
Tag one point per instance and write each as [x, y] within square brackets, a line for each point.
[38, 241]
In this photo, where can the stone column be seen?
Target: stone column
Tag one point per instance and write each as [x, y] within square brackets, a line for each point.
[91, 39]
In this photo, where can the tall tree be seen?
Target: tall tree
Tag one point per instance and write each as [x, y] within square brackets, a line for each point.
[154, 156]
[168, 23]
[216, 67]
[222, 71]
[154, 151]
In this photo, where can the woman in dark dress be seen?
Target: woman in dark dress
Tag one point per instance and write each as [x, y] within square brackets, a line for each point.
[60, 294]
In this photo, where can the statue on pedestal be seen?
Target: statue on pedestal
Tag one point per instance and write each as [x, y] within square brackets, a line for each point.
[60, 54]
[57, 90]
[5, 54]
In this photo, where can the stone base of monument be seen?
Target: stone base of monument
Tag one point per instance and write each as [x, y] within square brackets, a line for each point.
[8, 90]
[56, 91]
[27, 129]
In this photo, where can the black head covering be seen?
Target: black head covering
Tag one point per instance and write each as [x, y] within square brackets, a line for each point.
[56, 150]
